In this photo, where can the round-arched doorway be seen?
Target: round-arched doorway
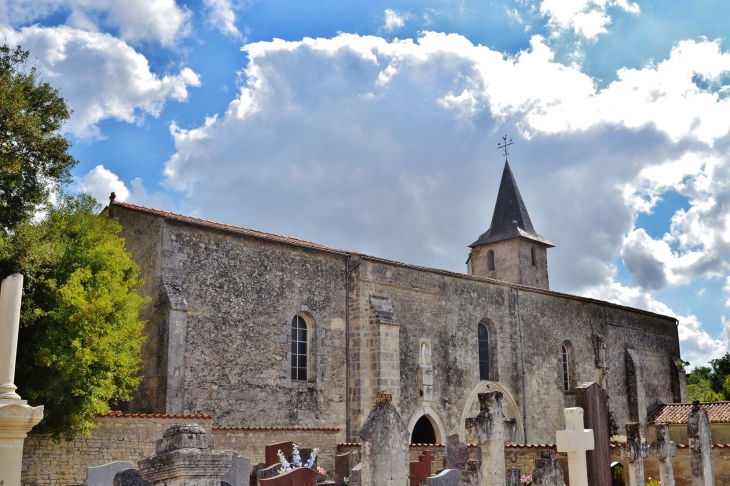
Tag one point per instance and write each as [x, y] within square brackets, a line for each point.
[423, 432]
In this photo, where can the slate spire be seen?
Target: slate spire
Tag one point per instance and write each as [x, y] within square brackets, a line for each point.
[510, 218]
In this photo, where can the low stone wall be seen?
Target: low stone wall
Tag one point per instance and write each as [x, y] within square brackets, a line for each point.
[119, 437]
[132, 437]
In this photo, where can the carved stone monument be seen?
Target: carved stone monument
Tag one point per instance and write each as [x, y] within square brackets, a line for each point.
[575, 440]
[488, 428]
[457, 453]
[384, 451]
[634, 450]
[700, 446]
[548, 471]
[16, 416]
[664, 450]
[594, 402]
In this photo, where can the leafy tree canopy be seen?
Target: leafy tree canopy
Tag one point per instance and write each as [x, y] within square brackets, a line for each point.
[80, 335]
[710, 384]
[34, 154]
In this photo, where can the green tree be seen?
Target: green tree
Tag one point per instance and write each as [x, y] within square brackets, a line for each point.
[34, 156]
[80, 335]
[710, 384]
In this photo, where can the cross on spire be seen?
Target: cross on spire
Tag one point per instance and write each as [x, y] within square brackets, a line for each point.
[504, 146]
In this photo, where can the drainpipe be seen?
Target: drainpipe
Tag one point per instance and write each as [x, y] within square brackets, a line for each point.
[524, 371]
[347, 343]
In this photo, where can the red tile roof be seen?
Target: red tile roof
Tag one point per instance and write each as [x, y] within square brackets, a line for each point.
[116, 413]
[316, 246]
[676, 413]
[296, 429]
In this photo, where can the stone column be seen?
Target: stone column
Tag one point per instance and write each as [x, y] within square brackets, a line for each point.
[488, 428]
[16, 416]
[664, 450]
[700, 446]
[634, 450]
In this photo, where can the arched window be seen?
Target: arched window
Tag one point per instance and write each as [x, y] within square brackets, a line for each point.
[534, 256]
[565, 365]
[490, 260]
[483, 335]
[299, 349]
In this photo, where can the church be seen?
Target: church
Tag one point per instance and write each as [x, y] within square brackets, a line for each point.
[266, 330]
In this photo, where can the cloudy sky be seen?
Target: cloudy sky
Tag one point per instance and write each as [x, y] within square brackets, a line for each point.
[373, 127]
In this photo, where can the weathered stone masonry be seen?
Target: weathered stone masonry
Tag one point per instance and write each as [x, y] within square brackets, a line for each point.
[223, 299]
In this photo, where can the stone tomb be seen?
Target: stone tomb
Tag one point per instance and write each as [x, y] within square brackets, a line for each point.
[130, 477]
[268, 472]
[104, 475]
[240, 472]
[271, 452]
[457, 453]
[301, 476]
[447, 477]
[421, 470]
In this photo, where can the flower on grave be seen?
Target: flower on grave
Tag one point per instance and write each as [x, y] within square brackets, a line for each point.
[526, 480]
[312, 457]
[285, 466]
[346, 480]
[295, 458]
[321, 470]
[653, 482]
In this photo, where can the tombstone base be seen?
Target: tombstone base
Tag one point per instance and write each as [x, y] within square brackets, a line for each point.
[16, 420]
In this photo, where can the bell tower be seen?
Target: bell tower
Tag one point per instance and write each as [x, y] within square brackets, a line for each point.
[510, 250]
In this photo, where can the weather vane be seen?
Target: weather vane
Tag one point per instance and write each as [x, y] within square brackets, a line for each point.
[504, 145]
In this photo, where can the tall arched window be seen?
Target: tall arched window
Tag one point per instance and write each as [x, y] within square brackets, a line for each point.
[490, 260]
[534, 256]
[299, 349]
[483, 335]
[565, 362]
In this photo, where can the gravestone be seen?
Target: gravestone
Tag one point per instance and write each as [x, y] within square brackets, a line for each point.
[239, 473]
[384, 450]
[488, 429]
[513, 476]
[104, 475]
[301, 476]
[271, 452]
[268, 472]
[129, 477]
[356, 475]
[575, 440]
[700, 446]
[344, 464]
[664, 450]
[457, 453]
[421, 470]
[724, 480]
[547, 471]
[594, 402]
[185, 457]
[634, 450]
[447, 477]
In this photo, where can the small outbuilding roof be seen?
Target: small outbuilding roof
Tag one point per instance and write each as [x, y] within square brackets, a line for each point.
[677, 413]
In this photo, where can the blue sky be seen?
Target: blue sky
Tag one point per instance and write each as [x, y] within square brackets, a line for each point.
[373, 126]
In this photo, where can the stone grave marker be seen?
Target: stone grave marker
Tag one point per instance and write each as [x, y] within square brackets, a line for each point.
[594, 402]
[271, 452]
[664, 450]
[575, 440]
[724, 480]
[513, 476]
[356, 475]
[700, 446]
[343, 465]
[488, 428]
[268, 472]
[301, 476]
[384, 450]
[129, 477]
[447, 477]
[104, 475]
[547, 471]
[457, 453]
[185, 457]
[634, 450]
[421, 470]
[240, 472]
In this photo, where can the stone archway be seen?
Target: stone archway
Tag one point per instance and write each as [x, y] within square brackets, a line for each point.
[433, 417]
[509, 407]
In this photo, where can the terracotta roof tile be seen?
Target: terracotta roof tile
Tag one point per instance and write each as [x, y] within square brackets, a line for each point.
[116, 413]
[316, 246]
[676, 413]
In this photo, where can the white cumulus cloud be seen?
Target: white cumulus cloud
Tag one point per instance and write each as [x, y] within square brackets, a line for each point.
[392, 20]
[586, 18]
[99, 75]
[223, 17]
[100, 182]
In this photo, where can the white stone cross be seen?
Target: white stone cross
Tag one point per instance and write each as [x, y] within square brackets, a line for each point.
[575, 440]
